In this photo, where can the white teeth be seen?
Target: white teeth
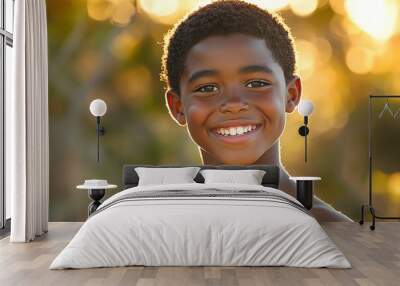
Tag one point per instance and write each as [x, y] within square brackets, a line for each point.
[232, 131]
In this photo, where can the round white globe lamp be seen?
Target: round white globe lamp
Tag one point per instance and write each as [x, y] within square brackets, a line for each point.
[98, 108]
[305, 108]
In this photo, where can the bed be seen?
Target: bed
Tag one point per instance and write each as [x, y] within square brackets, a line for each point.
[201, 223]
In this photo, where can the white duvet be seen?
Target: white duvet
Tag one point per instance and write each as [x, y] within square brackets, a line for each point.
[183, 231]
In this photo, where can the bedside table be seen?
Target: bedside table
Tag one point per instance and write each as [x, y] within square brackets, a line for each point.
[96, 193]
[305, 190]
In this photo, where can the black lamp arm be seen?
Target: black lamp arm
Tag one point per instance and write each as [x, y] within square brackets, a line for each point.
[303, 131]
[100, 130]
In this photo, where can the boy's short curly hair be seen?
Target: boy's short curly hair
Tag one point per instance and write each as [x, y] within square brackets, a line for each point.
[221, 18]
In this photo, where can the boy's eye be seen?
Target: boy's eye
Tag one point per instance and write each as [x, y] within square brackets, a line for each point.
[207, 88]
[257, 83]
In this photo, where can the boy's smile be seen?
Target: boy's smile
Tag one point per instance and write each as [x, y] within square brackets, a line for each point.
[233, 98]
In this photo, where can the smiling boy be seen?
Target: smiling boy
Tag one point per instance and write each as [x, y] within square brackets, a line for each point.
[231, 78]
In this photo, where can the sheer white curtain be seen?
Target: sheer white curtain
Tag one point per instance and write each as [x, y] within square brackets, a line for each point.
[27, 143]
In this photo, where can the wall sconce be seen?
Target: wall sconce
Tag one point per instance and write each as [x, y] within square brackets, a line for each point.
[98, 108]
[305, 108]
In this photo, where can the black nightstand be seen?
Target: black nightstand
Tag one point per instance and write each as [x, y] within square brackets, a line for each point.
[305, 190]
[96, 193]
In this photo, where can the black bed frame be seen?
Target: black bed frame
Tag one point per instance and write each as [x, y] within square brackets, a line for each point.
[271, 178]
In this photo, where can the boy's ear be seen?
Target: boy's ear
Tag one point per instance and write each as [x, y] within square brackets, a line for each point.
[175, 107]
[293, 94]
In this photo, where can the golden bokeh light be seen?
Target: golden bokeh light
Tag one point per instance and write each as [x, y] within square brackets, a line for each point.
[165, 12]
[338, 6]
[269, 5]
[393, 83]
[160, 8]
[360, 59]
[324, 49]
[303, 7]
[117, 11]
[382, 63]
[380, 180]
[124, 45]
[307, 55]
[378, 18]
[353, 32]
[336, 26]
[195, 4]
[123, 11]
[393, 185]
[99, 9]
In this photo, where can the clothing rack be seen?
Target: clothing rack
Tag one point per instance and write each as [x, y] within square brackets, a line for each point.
[370, 205]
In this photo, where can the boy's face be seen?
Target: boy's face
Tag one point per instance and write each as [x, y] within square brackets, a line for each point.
[230, 82]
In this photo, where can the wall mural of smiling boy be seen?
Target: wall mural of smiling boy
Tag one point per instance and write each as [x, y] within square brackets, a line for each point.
[230, 70]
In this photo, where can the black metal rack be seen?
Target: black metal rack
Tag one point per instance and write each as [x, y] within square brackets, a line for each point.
[369, 205]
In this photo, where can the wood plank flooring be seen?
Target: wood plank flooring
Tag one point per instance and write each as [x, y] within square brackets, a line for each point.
[374, 255]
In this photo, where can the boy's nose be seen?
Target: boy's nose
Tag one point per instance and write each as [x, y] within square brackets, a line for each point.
[234, 103]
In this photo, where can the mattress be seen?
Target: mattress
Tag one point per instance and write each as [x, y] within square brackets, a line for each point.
[196, 224]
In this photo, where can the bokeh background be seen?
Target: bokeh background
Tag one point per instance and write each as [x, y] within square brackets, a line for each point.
[111, 49]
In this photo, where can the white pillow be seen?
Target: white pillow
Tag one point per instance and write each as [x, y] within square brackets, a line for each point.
[249, 177]
[162, 176]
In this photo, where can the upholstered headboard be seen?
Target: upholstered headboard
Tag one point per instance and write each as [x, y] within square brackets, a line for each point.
[271, 178]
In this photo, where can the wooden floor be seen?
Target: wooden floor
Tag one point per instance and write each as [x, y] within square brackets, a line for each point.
[374, 255]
